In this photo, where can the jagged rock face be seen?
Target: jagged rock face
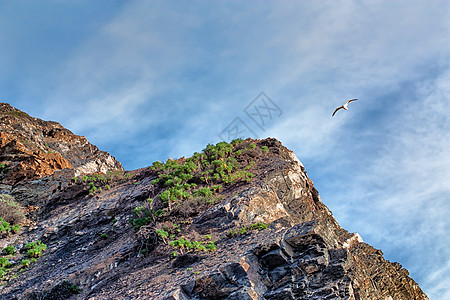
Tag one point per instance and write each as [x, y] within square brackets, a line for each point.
[32, 148]
[307, 261]
[303, 254]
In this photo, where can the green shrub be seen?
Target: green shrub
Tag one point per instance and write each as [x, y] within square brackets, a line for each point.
[35, 249]
[216, 188]
[185, 245]
[25, 263]
[34, 253]
[162, 233]
[144, 216]
[156, 165]
[178, 180]
[15, 228]
[4, 226]
[265, 148]
[218, 151]
[104, 235]
[2, 272]
[245, 229]
[211, 246]
[204, 191]
[9, 250]
[182, 244]
[92, 188]
[75, 289]
[236, 141]
[258, 226]
[4, 262]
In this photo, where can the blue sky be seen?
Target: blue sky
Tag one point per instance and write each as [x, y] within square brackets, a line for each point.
[147, 81]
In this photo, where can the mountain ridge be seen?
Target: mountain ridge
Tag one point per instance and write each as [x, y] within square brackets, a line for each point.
[238, 220]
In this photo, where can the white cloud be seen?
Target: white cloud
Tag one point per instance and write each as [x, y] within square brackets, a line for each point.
[439, 281]
[107, 83]
[398, 198]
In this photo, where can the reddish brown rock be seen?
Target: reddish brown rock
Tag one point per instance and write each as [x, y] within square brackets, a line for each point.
[31, 148]
[21, 163]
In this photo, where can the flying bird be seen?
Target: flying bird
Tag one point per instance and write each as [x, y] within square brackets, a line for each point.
[345, 106]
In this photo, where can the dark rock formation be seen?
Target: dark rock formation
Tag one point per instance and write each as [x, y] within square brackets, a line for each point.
[95, 253]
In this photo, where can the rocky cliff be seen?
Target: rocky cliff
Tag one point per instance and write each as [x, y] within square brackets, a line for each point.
[32, 148]
[238, 220]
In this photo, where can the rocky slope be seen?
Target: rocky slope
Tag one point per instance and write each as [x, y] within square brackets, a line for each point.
[31, 149]
[236, 221]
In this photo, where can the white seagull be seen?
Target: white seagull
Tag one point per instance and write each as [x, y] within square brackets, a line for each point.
[345, 106]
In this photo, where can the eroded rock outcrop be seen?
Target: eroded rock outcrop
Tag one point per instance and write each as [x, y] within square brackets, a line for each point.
[31, 148]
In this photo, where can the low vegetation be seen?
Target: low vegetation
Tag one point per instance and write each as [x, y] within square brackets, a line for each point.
[197, 180]
[96, 183]
[13, 262]
[9, 250]
[10, 212]
[4, 262]
[247, 229]
[144, 215]
[6, 228]
[25, 263]
[185, 187]
[35, 249]
[184, 245]
[12, 215]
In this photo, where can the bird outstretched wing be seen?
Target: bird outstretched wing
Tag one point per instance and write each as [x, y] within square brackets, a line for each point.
[341, 107]
[351, 100]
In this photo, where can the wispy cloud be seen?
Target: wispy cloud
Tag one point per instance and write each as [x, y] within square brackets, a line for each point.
[153, 80]
[397, 193]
